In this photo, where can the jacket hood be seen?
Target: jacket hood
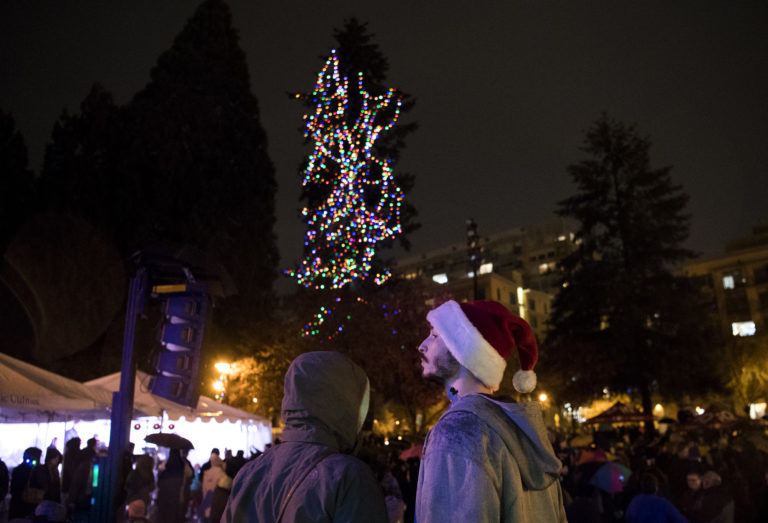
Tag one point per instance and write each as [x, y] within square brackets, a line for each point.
[325, 400]
[525, 436]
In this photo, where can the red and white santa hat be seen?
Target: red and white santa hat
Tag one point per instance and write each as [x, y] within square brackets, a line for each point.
[481, 335]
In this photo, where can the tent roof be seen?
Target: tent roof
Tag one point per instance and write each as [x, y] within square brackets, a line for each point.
[618, 413]
[151, 405]
[31, 394]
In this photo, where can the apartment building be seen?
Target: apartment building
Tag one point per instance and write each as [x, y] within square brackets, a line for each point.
[518, 269]
[736, 282]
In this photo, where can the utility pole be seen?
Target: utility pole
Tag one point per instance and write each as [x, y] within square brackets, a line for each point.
[474, 252]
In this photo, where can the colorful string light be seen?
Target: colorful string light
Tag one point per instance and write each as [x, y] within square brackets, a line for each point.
[363, 206]
[326, 314]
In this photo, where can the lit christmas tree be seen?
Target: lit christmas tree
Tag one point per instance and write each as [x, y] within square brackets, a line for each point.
[363, 202]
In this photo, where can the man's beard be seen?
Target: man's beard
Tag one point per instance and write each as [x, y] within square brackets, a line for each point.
[446, 367]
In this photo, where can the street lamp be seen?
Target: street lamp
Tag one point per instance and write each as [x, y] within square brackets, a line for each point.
[220, 385]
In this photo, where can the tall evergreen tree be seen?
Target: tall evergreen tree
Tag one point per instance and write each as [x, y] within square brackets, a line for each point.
[81, 169]
[623, 318]
[200, 154]
[185, 162]
[16, 180]
[358, 54]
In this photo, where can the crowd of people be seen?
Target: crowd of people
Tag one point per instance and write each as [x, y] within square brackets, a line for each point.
[488, 458]
[39, 490]
[710, 476]
[171, 490]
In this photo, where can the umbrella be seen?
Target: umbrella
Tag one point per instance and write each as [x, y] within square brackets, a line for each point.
[412, 452]
[620, 413]
[167, 439]
[582, 440]
[611, 477]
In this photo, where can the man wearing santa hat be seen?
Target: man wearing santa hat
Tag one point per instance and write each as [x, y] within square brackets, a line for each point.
[487, 458]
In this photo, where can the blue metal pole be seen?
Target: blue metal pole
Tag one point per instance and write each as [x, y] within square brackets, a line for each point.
[122, 407]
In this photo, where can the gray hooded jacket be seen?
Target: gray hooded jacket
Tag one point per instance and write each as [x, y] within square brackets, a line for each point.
[324, 404]
[487, 461]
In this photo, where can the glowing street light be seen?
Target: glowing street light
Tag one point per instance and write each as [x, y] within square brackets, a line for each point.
[223, 367]
[220, 385]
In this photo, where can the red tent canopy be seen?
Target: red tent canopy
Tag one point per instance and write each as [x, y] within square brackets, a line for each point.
[619, 413]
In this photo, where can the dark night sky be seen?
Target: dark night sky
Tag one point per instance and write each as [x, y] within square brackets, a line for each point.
[504, 93]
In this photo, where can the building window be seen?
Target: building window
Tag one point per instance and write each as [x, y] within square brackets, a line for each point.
[513, 298]
[545, 268]
[440, 278]
[498, 294]
[734, 280]
[743, 328]
[531, 304]
[486, 268]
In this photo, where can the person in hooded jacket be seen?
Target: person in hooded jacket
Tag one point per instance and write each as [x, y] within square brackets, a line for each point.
[487, 458]
[311, 475]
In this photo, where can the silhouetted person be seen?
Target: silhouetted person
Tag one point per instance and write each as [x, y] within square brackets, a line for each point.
[19, 481]
[71, 450]
[46, 476]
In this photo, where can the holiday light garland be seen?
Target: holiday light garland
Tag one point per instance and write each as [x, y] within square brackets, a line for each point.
[313, 328]
[343, 231]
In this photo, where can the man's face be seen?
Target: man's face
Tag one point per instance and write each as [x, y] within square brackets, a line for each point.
[694, 481]
[437, 363]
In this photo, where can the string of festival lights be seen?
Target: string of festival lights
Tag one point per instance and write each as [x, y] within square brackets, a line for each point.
[343, 231]
[326, 315]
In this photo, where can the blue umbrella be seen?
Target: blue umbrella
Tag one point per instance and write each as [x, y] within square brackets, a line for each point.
[611, 477]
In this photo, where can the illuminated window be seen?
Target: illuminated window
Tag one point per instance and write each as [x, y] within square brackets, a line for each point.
[757, 410]
[486, 268]
[440, 278]
[728, 282]
[743, 328]
[547, 267]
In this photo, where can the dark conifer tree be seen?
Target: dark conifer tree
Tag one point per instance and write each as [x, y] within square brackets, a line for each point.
[16, 180]
[623, 318]
[199, 154]
[81, 169]
[184, 163]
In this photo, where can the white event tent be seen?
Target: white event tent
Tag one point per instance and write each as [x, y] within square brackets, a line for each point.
[211, 424]
[37, 406]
